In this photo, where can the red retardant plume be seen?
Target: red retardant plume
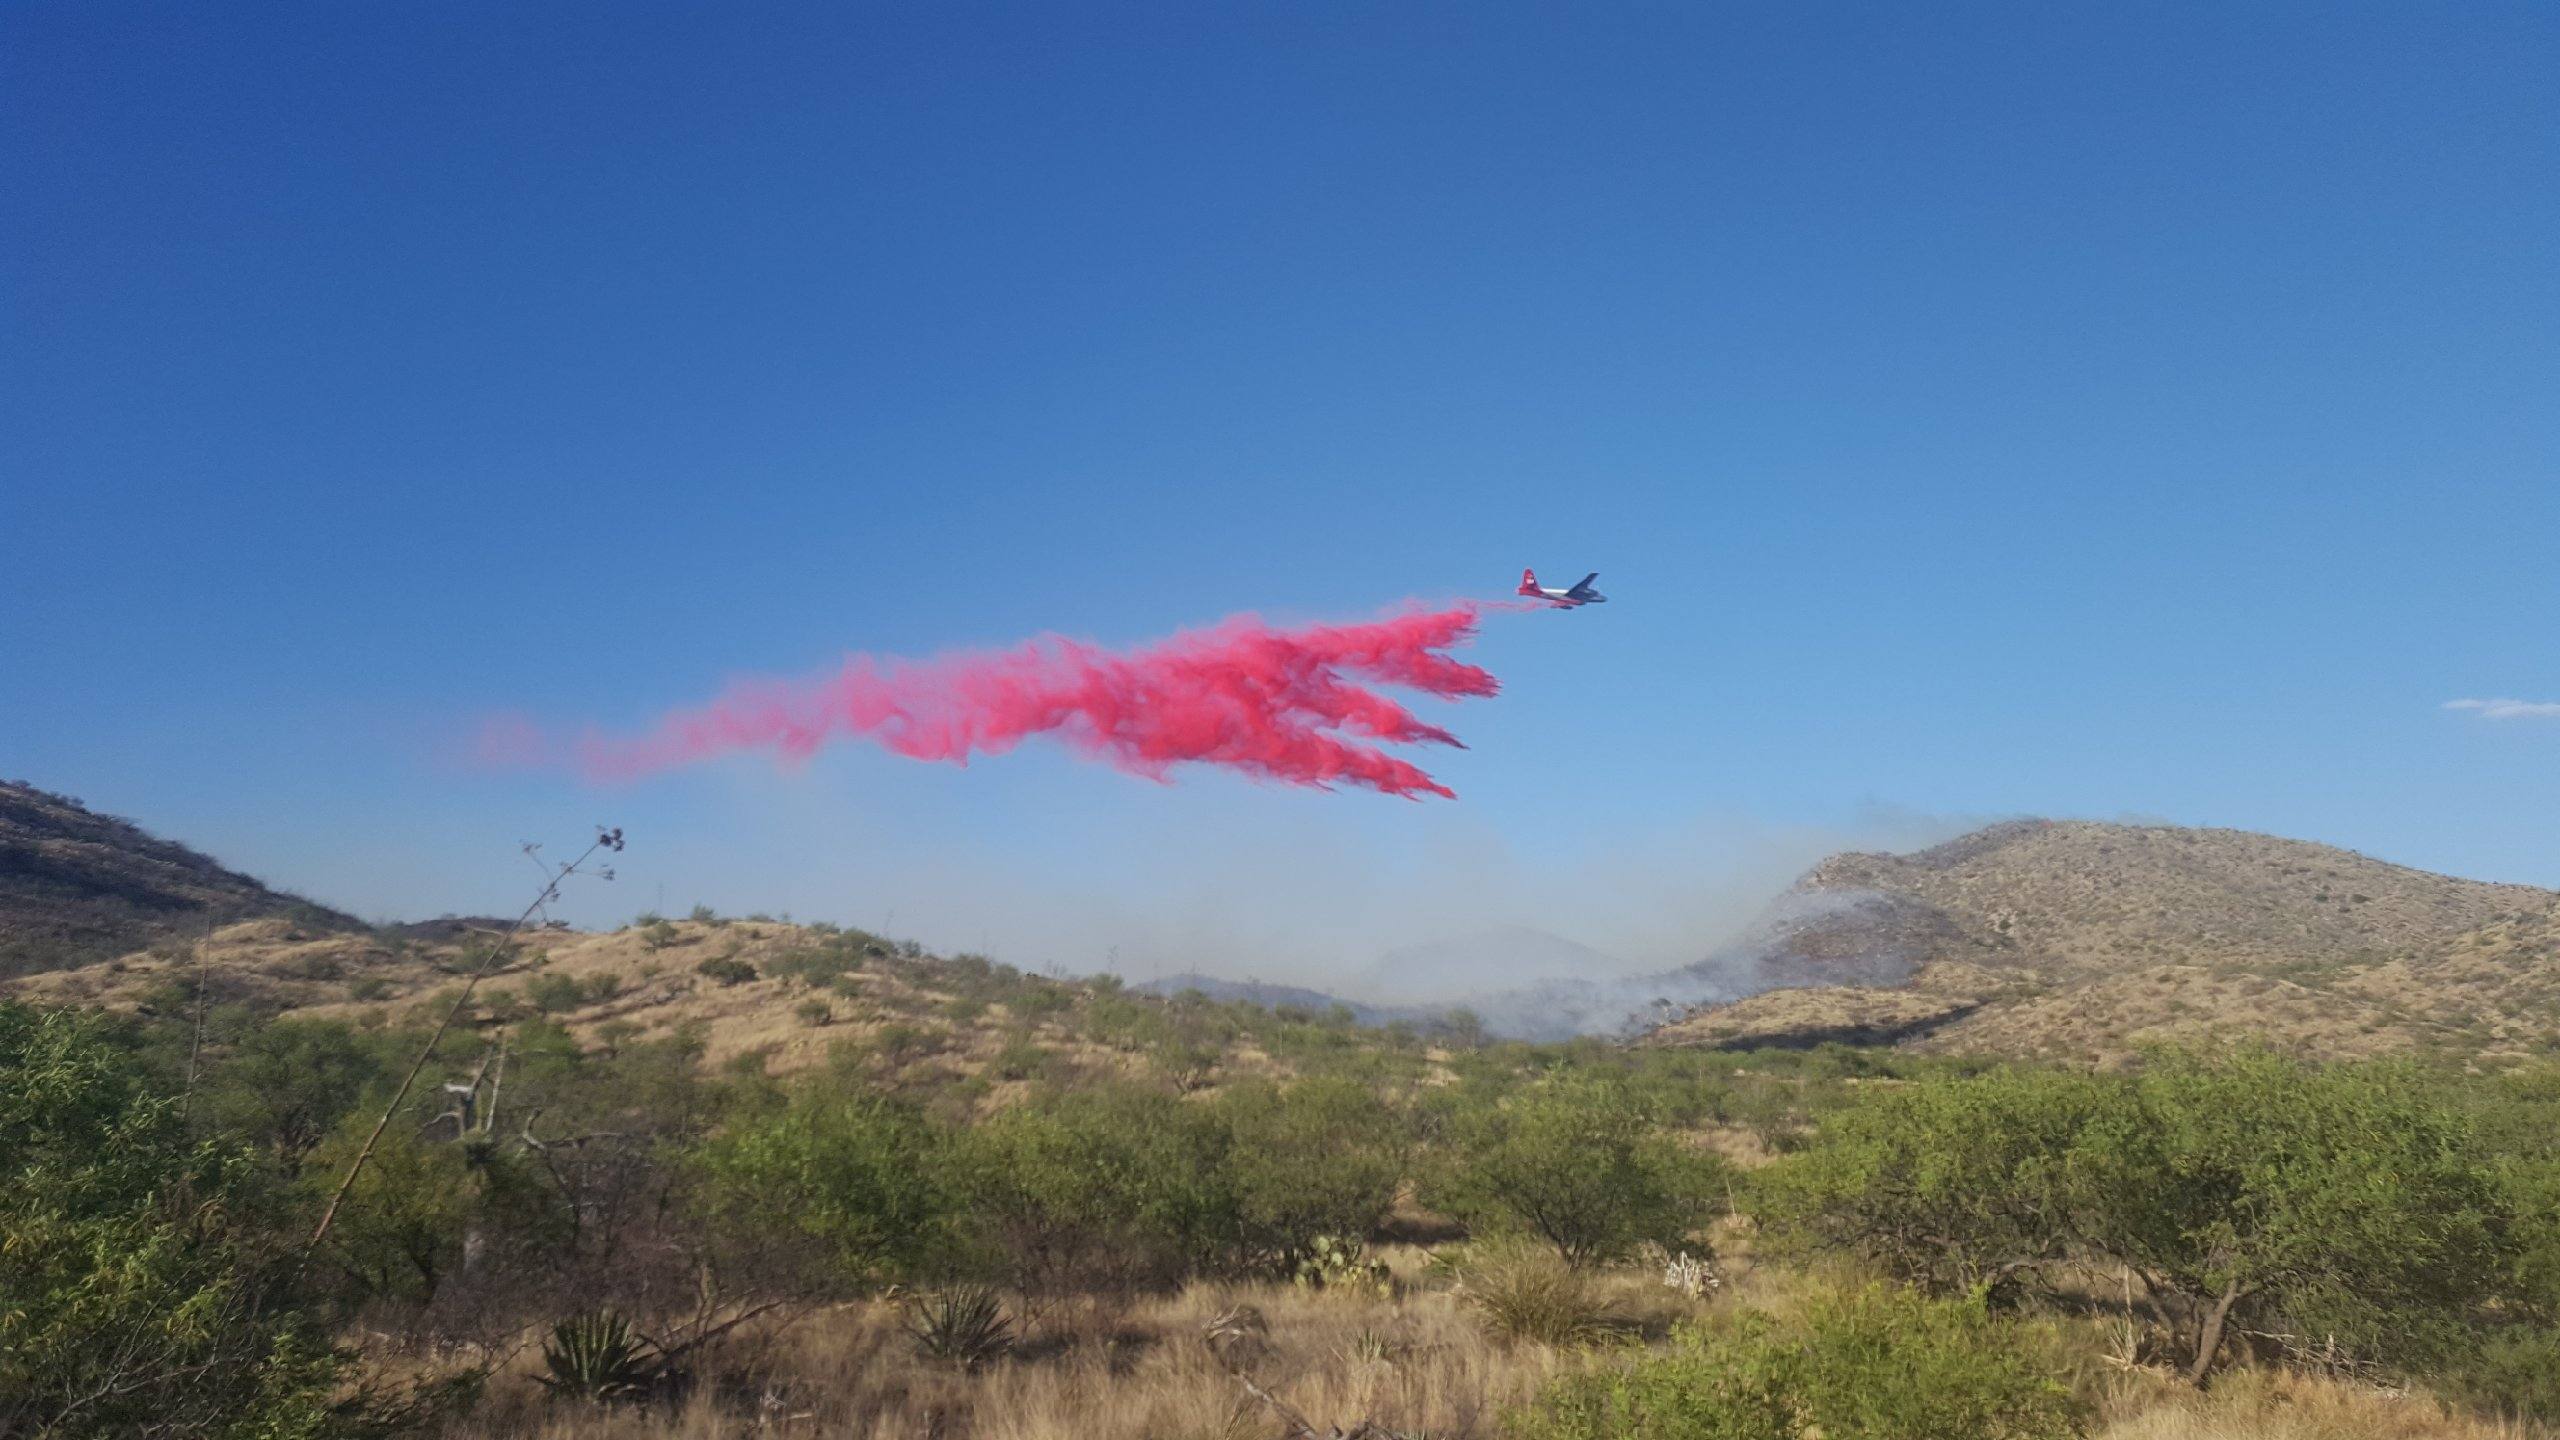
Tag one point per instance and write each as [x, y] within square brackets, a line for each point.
[1282, 704]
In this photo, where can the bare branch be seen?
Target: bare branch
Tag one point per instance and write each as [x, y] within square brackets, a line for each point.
[605, 840]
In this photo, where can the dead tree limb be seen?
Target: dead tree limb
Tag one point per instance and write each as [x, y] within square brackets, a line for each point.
[605, 840]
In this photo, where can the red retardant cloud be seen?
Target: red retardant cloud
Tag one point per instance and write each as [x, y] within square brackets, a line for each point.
[1295, 705]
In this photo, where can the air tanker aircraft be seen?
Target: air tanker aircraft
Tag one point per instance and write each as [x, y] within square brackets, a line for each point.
[1579, 595]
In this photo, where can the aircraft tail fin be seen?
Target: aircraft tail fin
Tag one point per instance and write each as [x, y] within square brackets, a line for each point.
[1528, 582]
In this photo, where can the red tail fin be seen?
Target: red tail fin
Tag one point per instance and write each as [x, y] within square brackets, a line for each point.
[1528, 582]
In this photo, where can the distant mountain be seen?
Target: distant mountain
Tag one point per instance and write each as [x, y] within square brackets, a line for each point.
[1467, 968]
[78, 887]
[1250, 992]
[2077, 940]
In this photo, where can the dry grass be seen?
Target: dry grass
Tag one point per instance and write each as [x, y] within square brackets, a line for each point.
[656, 992]
[2261, 1405]
[1418, 1364]
[1422, 1363]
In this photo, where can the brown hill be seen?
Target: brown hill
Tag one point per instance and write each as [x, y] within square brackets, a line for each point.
[96, 912]
[78, 887]
[2081, 941]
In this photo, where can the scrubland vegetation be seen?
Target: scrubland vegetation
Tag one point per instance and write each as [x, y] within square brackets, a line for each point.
[1042, 1209]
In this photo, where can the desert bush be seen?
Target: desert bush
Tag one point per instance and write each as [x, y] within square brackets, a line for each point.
[1874, 1364]
[1033, 998]
[2512, 1372]
[656, 934]
[1577, 1162]
[856, 1173]
[726, 970]
[400, 1230]
[898, 1043]
[1021, 1059]
[816, 964]
[553, 993]
[1109, 1189]
[285, 1085]
[2342, 1202]
[143, 1294]
[1320, 1157]
[1952, 1184]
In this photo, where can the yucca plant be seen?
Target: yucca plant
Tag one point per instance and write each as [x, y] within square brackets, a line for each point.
[597, 1357]
[964, 1325]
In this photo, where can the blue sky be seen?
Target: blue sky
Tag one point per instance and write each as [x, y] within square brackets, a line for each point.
[2144, 411]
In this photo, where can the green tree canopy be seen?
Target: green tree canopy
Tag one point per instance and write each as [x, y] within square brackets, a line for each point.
[137, 1293]
[1577, 1162]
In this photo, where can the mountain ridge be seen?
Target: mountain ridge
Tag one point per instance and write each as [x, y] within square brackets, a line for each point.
[78, 886]
[2087, 940]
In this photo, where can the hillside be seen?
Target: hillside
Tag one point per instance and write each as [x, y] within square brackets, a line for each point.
[2079, 941]
[2071, 941]
[77, 887]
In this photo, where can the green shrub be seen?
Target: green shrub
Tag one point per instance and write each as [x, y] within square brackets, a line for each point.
[2340, 1201]
[815, 965]
[400, 1231]
[142, 1296]
[1875, 1364]
[552, 993]
[2346, 1202]
[2513, 1372]
[1951, 1184]
[286, 1085]
[1322, 1157]
[726, 970]
[1103, 1190]
[1021, 1059]
[1576, 1162]
[1034, 998]
[856, 1173]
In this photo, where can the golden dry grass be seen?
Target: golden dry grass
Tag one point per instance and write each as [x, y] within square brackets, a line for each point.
[2263, 1405]
[1418, 1364]
[1421, 1363]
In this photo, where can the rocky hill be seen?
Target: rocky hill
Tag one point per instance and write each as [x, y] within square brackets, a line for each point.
[2081, 941]
[2070, 941]
[78, 887]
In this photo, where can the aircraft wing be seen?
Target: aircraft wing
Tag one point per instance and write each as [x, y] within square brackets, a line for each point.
[1582, 586]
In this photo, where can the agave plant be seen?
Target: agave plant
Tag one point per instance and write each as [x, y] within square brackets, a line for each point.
[964, 1325]
[597, 1357]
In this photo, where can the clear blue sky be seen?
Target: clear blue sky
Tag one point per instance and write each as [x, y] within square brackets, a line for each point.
[2138, 410]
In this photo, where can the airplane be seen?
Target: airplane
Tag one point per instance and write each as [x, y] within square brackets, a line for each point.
[1579, 595]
